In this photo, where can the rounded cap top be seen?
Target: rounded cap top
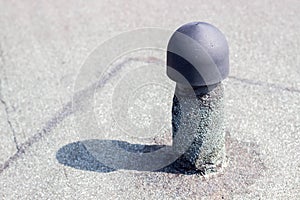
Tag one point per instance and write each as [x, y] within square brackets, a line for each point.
[198, 55]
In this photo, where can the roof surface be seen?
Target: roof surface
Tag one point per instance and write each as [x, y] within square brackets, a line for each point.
[44, 46]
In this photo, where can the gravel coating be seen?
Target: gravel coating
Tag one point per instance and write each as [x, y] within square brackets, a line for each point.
[42, 47]
[200, 120]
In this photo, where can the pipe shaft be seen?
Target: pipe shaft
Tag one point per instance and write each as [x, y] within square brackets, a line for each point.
[200, 121]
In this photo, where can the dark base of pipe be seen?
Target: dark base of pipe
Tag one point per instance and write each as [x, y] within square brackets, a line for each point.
[198, 128]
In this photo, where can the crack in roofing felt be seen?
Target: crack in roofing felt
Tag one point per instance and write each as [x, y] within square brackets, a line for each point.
[9, 122]
[264, 84]
[6, 107]
[68, 110]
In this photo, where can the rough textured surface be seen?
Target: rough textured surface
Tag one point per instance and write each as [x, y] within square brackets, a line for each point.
[200, 121]
[43, 45]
